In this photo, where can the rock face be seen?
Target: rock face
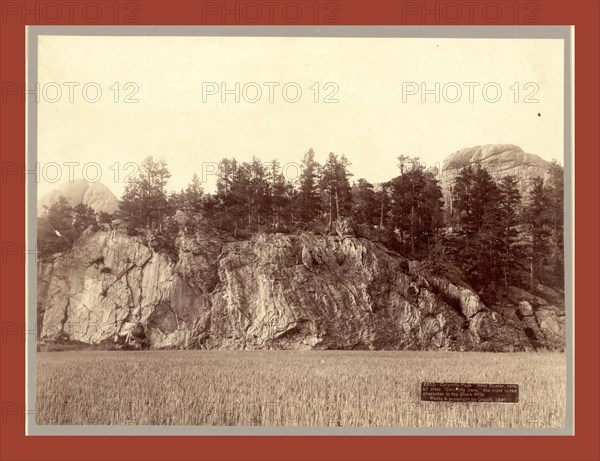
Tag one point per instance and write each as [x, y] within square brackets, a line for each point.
[277, 291]
[499, 160]
[96, 195]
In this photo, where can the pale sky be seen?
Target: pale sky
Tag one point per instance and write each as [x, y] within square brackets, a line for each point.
[370, 123]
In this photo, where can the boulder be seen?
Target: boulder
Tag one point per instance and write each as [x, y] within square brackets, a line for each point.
[552, 327]
[525, 309]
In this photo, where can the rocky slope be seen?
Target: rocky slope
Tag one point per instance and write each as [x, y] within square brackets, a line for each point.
[96, 195]
[278, 291]
[498, 159]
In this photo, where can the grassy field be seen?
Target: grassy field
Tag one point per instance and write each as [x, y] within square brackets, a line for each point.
[291, 388]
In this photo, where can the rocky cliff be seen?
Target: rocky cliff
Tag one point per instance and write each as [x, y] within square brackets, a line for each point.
[278, 291]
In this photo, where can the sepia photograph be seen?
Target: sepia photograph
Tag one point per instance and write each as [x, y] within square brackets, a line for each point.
[318, 229]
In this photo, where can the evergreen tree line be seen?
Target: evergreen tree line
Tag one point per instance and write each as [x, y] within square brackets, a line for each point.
[257, 197]
[490, 232]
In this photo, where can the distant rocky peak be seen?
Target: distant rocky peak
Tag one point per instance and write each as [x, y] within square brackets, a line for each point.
[95, 194]
[499, 160]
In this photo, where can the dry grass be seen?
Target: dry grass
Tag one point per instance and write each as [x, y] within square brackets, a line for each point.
[273, 388]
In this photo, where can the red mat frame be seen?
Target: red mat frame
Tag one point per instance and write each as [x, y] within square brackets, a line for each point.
[583, 446]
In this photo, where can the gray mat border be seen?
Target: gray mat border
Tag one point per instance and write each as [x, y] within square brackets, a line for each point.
[499, 32]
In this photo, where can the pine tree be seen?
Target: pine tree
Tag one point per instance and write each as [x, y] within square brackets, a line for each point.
[280, 194]
[335, 190]
[131, 207]
[382, 192]
[259, 197]
[226, 172]
[308, 196]
[192, 196]
[488, 244]
[462, 198]
[239, 210]
[327, 188]
[189, 201]
[555, 193]
[474, 193]
[416, 208]
[343, 195]
[430, 213]
[509, 211]
[482, 207]
[153, 180]
[144, 202]
[365, 209]
[536, 217]
[484, 196]
[84, 216]
[224, 200]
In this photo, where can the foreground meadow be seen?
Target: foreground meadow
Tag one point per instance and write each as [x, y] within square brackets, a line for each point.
[291, 388]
